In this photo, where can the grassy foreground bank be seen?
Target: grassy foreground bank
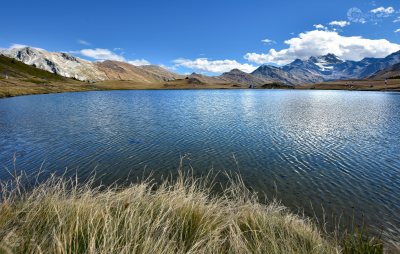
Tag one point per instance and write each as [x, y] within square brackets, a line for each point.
[181, 216]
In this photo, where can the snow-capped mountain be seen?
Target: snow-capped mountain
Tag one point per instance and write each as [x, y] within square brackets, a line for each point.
[326, 62]
[326, 68]
[56, 62]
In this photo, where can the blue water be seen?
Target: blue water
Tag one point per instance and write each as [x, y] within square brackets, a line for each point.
[335, 149]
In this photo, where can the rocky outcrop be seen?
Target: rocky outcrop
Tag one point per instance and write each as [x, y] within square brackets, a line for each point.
[57, 62]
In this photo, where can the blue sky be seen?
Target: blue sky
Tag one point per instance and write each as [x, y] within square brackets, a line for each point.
[204, 36]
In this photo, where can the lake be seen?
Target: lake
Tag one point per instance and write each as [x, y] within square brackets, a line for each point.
[339, 150]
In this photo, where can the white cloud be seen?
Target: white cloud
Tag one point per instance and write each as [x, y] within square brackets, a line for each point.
[106, 54]
[18, 46]
[215, 66]
[397, 20]
[320, 42]
[383, 10]
[341, 23]
[356, 15]
[268, 41]
[397, 30]
[101, 54]
[319, 26]
[83, 42]
[139, 62]
[171, 68]
[373, 16]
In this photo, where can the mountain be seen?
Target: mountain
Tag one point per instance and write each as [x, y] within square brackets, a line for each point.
[115, 70]
[59, 63]
[204, 79]
[388, 73]
[276, 74]
[239, 77]
[70, 66]
[312, 70]
[12, 69]
[17, 78]
[326, 68]
[315, 69]
[233, 78]
[160, 73]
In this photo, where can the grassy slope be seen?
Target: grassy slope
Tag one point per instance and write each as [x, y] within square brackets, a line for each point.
[25, 79]
[18, 69]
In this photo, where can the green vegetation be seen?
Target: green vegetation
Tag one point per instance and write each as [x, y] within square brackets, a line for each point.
[14, 68]
[181, 216]
[360, 242]
[17, 78]
[279, 85]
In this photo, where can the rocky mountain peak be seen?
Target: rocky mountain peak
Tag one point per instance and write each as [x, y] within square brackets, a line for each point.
[69, 57]
[236, 71]
[327, 59]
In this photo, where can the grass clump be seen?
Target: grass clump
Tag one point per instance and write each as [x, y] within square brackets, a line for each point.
[181, 216]
[359, 242]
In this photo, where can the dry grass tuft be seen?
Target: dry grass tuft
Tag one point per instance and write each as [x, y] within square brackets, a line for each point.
[181, 216]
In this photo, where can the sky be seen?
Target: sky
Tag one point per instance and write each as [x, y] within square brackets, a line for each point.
[208, 36]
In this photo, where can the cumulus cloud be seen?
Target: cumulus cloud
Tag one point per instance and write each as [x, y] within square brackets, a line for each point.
[101, 54]
[20, 46]
[376, 15]
[139, 62]
[106, 54]
[382, 11]
[215, 66]
[268, 41]
[397, 20]
[321, 42]
[397, 30]
[341, 23]
[319, 26]
[83, 42]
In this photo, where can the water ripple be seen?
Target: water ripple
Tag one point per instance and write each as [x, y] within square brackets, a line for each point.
[331, 148]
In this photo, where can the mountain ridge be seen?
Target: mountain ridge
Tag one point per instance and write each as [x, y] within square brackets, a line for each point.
[315, 69]
[69, 66]
[326, 68]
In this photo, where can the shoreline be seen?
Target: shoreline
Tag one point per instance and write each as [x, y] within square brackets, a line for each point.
[14, 88]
